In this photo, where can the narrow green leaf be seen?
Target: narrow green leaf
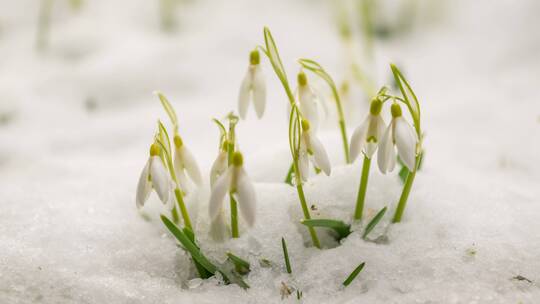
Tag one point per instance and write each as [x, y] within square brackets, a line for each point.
[342, 229]
[241, 265]
[316, 68]
[353, 274]
[230, 276]
[203, 273]
[273, 54]
[168, 108]
[403, 172]
[220, 126]
[189, 245]
[408, 94]
[164, 136]
[286, 255]
[374, 221]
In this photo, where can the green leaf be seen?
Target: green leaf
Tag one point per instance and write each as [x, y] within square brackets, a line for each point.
[203, 273]
[403, 173]
[220, 126]
[197, 255]
[316, 68]
[241, 265]
[353, 274]
[168, 108]
[374, 221]
[189, 245]
[408, 95]
[273, 54]
[286, 255]
[230, 276]
[342, 229]
[164, 136]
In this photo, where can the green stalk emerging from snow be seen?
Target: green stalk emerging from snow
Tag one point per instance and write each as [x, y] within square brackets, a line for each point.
[295, 127]
[233, 120]
[410, 100]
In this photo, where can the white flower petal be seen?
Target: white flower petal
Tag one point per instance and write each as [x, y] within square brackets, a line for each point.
[178, 162]
[319, 154]
[245, 194]
[160, 179]
[144, 187]
[406, 141]
[381, 127]
[183, 181]
[308, 106]
[386, 158]
[321, 103]
[218, 229]
[243, 95]
[358, 138]
[219, 166]
[303, 161]
[218, 194]
[191, 165]
[259, 91]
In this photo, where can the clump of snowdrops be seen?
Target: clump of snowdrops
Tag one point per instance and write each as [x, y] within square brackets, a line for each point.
[172, 172]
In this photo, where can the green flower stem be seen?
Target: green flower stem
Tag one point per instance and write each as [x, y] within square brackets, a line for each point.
[342, 126]
[344, 137]
[273, 55]
[362, 189]
[405, 193]
[235, 233]
[307, 216]
[183, 209]
[234, 218]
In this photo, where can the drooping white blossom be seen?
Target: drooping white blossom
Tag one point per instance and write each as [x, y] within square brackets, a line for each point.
[185, 165]
[368, 135]
[401, 135]
[311, 150]
[236, 182]
[253, 88]
[153, 176]
[308, 101]
[218, 167]
[218, 229]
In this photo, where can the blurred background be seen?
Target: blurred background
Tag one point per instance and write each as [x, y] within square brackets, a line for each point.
[76, 76]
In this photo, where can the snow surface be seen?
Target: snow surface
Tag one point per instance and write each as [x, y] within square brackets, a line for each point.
[78, 119]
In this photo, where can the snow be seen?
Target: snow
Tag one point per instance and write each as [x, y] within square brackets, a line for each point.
[81, 115]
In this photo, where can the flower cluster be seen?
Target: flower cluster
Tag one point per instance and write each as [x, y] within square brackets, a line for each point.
[173, 174]
[373, 133]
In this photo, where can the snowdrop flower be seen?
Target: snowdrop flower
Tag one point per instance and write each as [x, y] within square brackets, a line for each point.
[368, 135]
[403, 136]
[252, 87]
[185, 164]
[311, 149]
[219, 166]
[308, 101]
[237, 183]
[218, 228]
[153, 176]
